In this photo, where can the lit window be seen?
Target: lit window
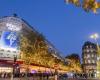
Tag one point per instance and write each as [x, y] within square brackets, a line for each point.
[87, 50]
[88, 56]
[93, 61]
[92, 55]
[98, 58]
[85, 61]
[86, 46]
[89, 61]
[91, 50]
[85, 56]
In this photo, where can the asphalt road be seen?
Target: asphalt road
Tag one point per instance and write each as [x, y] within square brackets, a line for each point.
[46, 79]
[82, 79]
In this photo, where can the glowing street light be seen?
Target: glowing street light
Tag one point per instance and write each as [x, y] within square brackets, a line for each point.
[94, 36]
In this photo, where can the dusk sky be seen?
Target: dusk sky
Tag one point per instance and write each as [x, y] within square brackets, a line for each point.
[65, 26]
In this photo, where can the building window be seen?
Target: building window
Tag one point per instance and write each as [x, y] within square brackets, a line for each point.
[85, 56]
[89, 61]
[98, 58]
[92, 55]
[87, 50]
[2, 49]
[14, 51]
[91, 50]
[93, 61]
[85, 61]
[8, 51]
[87, 46]
[88, 56]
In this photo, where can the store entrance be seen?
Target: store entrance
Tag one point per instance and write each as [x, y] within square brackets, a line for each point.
[5, 69]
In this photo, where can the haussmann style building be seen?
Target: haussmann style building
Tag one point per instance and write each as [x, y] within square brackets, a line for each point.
[89, 59]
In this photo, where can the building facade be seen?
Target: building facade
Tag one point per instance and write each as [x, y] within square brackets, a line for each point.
[89, 58]
[16, 37]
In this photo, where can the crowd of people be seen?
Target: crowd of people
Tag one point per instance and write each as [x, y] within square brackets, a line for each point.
[8, 75]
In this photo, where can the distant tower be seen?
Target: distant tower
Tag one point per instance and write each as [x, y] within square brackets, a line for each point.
[89, 57]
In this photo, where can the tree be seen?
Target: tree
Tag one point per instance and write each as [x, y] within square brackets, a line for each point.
[75, 63]
[87, 5]
[75, 2]
[27, 49]
[34, 49]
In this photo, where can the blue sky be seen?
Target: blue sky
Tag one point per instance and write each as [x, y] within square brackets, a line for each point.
[66, 26]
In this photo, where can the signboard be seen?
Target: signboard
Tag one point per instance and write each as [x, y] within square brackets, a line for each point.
[14, 23]
[12, 27]
[9, 39]
[9, 44]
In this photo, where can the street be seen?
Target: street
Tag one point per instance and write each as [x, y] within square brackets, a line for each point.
[45, 79]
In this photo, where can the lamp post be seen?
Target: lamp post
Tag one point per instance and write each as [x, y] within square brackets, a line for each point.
[95, 37]
[13, 69]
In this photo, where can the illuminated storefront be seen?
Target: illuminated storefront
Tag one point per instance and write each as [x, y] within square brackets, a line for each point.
[16, 36]
[12, 30]
[9, 42]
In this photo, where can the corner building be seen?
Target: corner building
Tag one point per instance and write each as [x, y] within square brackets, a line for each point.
[16, 36]
[89, 58]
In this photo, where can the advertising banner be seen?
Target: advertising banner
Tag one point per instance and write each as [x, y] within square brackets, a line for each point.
[9, 39]
[9, 44]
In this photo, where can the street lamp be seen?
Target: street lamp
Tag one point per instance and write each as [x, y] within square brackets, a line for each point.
[95, 37]
[13, 70]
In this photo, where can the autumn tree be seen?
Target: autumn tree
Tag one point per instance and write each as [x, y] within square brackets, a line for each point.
[74, 62]
[87, 5]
